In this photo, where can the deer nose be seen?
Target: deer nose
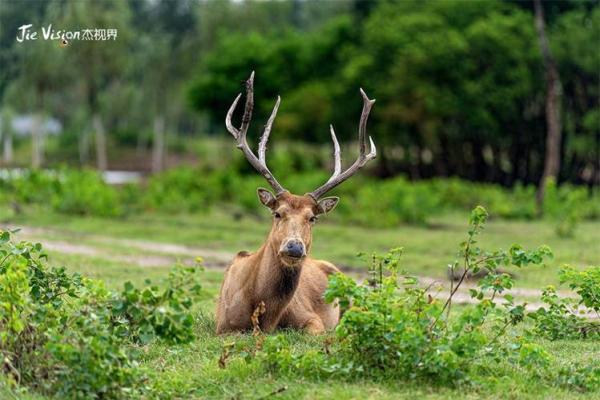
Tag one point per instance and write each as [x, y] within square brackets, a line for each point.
[294, 248]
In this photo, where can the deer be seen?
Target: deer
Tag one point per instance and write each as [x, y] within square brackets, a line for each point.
[281, 279]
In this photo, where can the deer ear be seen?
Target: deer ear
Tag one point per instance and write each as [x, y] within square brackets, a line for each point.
[266, 198]
[327, 204]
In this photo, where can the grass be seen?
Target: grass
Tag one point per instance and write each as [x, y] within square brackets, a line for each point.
[428, 249]
[192, 371]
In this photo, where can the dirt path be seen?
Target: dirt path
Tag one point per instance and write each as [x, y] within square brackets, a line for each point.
[158, 254]
[154, 254]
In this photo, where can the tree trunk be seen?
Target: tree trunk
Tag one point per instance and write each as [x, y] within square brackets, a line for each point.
[553, 98]
[6, 135]
[84, 147]
[414, 159]
[100, 135]
[596, 176]
[158, 144]
[480, 165]
[37, 151]
[140, 146]
[8, 148]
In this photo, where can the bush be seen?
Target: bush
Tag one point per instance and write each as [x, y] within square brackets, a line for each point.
[382, 203]
[83, 192]
[69, 191]
[559, 319]
[178, 190]
[56, 331]
[394, 329]
[29, 186]
[585, 283]
[143, 314]
[392, 202]
[579, 377]
[68, 336]
[456, 194]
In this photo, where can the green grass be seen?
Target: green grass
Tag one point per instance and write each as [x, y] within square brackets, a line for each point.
[428, 249]
[192, 371]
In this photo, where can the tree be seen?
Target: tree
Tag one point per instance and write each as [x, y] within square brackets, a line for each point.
[162, 47]
[38, 74]
[456, 85]
[6, 135]
[574, 40]
[97, 64]
[460, 85]
[304, 68]
[553, 100]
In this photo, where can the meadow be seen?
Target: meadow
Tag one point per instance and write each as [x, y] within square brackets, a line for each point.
[145, 246]
[470, 247]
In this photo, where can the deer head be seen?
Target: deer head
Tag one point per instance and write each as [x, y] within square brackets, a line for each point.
[293, 215]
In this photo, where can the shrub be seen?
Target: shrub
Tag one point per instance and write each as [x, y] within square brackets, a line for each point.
[383, 203]
[69, 191]
[456, 194]
[585, 283]
[29, 186]
[559, 319]
[65, 335]
[177, 190]
[143, 314]
[579, 377]
[85, 359]
[394, 329]
[83, 192]
[391, 202]
[57, 336]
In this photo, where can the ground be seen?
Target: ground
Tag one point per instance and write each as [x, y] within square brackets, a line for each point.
[136, 248]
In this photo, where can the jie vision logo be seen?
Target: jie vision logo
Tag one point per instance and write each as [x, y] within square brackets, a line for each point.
[27, 33]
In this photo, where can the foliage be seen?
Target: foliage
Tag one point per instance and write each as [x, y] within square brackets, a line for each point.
[84, 358]
[84, 192]
[392, 202]
[146, 313]
[585, 283]
[457, 85]
[56, 332]
[178, 190]
[68, 336]
[68, 191]
[28, 186]
[560, 319]
[578, 377]
[394, 329]
[382, 203]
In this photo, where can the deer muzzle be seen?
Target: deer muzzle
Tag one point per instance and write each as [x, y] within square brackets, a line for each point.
[293, 249]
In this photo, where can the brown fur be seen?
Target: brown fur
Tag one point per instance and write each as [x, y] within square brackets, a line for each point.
[291, 289]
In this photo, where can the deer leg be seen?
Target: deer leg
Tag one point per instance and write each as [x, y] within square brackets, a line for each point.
[314, 326]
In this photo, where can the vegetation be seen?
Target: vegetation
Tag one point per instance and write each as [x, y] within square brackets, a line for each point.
[473, 110]
[458, 85]
[399, 200]
[457, 343]
[560, 320]
[68, 336]
[460, 88]
[394, 329]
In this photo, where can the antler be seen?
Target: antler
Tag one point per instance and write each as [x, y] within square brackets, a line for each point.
[259, 163]
[338, 176]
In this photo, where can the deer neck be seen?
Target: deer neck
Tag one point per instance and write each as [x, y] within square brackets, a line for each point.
[275, 281]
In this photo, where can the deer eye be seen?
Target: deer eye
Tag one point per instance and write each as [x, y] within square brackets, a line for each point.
[276, 215]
